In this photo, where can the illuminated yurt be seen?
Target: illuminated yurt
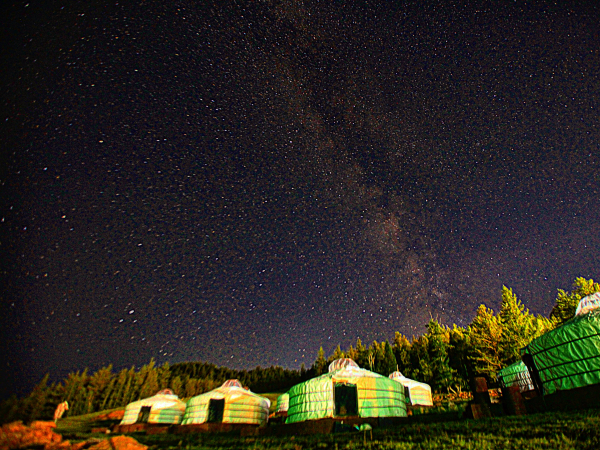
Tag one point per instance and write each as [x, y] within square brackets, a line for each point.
[163, 408]
[568, 357]
[346, 391]
[516, 374]
[419, 393]
[230, 403]
[283, 403]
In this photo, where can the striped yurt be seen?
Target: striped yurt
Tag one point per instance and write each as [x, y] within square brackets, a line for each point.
[419, 393]
[163, 408]
[346, 391]
[230, 403]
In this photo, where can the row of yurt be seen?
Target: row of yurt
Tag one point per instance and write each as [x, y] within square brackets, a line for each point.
[345, 391]
[230, 403]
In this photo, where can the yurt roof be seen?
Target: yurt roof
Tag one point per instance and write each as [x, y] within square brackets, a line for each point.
[340, 372]
[407, 381]
[159, 400]
[514, 368]
[231, 390]
[342, 363]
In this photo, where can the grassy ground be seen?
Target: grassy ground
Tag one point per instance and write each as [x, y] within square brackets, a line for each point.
[80, 427]
[558, 430]
[573, 430]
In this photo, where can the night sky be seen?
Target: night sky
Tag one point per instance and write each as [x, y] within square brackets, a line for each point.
[241, 182]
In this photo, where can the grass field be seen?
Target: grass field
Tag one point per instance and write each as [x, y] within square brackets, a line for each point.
[557, 430]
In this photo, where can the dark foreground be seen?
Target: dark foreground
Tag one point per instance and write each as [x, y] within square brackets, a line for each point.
[556, 430]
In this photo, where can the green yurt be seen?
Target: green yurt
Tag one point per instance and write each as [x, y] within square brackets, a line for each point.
[230, 403]
[418, 393]
[283, 403]
[517, 373]
[163, 408]
[568, 357]
[346, 390]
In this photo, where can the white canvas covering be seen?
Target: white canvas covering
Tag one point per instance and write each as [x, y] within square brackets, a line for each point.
[588, 304]
[165, 407]
[342, 363]
[419, 393]
[239, 405]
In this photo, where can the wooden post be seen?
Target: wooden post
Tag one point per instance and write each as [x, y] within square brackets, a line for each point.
[481, 399]
[513, 400]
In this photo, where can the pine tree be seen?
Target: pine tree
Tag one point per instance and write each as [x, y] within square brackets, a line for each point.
[98, 384]
[11, 409]
[389, 362]
[191, 387]
[35, 402]
[320, 365]
[519, 327]
[420, 360]
[337, 354]
[351, 353]
[130, 391]
[150, 383]
[442, 373]
[76, 392]
[108, 393]
[402, 353]
[458, 351]
[362, 354]
[164, 375]
[176, 386]
[485, 333]
[379, 363]
[118, 393]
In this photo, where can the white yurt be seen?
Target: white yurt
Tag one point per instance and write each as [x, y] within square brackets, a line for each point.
[230, 403]
[163, 408]
[419, 393]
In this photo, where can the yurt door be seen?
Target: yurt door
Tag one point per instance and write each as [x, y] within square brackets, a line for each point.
[345, 397]
[144, 414]
[215, 410]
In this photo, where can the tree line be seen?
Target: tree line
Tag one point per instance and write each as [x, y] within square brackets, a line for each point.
[446, 358]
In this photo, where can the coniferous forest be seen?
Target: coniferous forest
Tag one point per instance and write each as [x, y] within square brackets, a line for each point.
[446, 358]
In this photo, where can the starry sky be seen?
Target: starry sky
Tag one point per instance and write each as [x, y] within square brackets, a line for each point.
[241, 182]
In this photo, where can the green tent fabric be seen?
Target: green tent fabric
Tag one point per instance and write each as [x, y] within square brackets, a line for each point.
[516, 373]
[165, 407]
[230, 403]
[283, 402]
[346, 390]
[568, 357]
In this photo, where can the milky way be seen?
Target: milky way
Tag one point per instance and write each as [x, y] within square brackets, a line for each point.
[243, 182]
